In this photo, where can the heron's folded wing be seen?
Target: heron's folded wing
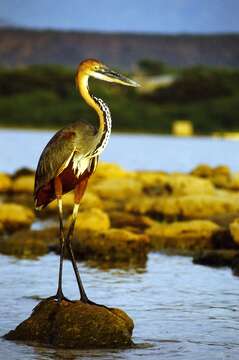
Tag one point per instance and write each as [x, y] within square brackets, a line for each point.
[55, 157]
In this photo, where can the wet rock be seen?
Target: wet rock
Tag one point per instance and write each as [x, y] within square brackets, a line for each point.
[154, 183]
[5, 183]
[216, 258]
[234, 229]
[195, 206]
[111, 205]
[222, 177]
[120, 219]
[118, 189]
[235, 265]
[186, 235]
[222, 170]
[92, 219]
[23, 184]
[29, 243]
[75, 325]
[234, 182]
[20, 198]
[182, 184]
[175, 184]
[142, 205]
[24, 171]
[109, 171]
[224, 220]
[14, 216]
[222, 239]
[188, 184]
[202, 170]
[113, 245]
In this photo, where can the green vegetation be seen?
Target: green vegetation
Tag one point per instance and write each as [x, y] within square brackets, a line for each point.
[46, 96]
[153, 67]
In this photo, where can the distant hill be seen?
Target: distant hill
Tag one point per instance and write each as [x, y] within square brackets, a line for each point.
[21, 47]
[6, 23]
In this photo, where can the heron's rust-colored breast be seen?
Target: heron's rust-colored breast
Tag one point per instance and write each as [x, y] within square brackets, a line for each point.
[69, 180]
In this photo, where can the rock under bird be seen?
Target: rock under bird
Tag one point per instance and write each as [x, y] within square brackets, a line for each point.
[71, 157]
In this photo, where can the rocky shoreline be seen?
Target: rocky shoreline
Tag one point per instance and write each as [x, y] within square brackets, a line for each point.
[124, 215]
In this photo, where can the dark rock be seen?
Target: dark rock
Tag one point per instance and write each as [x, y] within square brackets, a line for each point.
[113, 245]
[216, 258]
[120, 219]
[110, 248]
[24, 199]
[28, 243]
[223, 239]
[225, 219]
[75, 325]
[235, 265]
[22, 172]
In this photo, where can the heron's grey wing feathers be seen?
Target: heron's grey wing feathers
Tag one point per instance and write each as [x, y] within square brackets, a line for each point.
[56, 153]
[78, 137]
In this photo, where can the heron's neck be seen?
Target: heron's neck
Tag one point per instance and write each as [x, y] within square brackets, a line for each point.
[97, 104]
[102, 110]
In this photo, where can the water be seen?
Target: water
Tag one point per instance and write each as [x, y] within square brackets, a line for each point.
[181, 311]
[149, 152]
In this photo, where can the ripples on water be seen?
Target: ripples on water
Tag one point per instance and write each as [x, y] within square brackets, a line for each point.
[180, 311]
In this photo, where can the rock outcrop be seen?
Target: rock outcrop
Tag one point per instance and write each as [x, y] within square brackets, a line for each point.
[14, 216]
[75, 325]
[234, 229]
[5, 182]
[185, 235]
[23, 184]
[29, 243]
[124, 214]
[112, 246]
[219, 258]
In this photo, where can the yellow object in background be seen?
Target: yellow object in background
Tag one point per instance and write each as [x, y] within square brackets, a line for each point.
[182, 128]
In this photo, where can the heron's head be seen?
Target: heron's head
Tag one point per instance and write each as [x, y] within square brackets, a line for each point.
[100, 71]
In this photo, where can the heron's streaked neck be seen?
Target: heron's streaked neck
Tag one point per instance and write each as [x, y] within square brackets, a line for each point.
[92, 101]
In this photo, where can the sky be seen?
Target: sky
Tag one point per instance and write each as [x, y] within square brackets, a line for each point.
[157, 16]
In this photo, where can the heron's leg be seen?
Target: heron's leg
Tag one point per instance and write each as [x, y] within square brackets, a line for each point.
[83, 297]
[58, 192]
[79, 192]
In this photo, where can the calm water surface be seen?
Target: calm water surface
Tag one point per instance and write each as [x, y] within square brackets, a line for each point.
[181, 311]
[22, 148]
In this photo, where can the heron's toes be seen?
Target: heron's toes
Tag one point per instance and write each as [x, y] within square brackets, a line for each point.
[88, 301]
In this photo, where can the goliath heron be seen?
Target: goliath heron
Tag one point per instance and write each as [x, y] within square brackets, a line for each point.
[70, 158]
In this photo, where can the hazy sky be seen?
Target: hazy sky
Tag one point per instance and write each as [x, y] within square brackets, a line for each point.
[124, 15]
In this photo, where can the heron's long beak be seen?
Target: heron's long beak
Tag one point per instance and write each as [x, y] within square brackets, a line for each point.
[112, 76]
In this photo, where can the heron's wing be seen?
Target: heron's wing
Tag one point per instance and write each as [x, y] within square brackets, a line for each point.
[55, 156]
[80, 137]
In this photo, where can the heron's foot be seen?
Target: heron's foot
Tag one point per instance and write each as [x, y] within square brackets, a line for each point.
[85, 300]
[59, 297]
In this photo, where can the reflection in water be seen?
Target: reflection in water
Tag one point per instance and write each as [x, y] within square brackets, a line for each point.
[131, 267]
[180, 310]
